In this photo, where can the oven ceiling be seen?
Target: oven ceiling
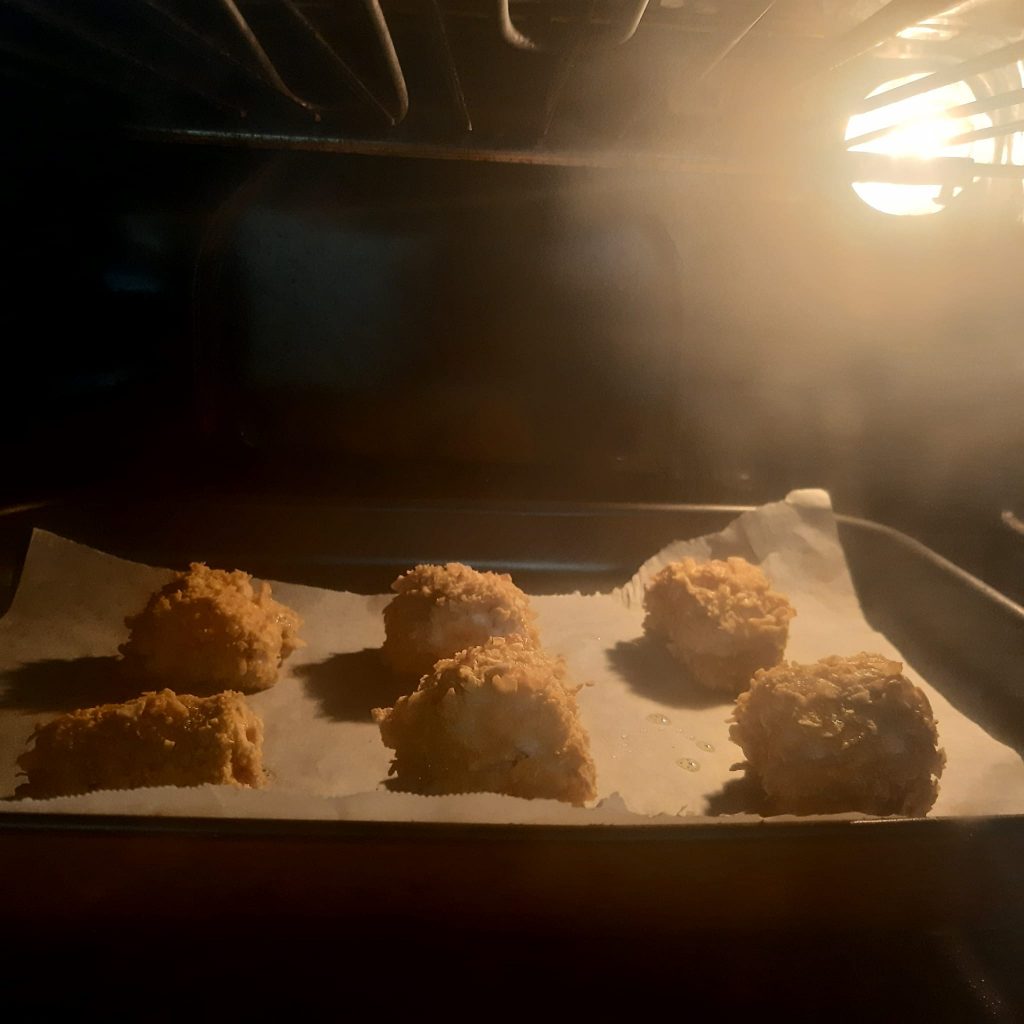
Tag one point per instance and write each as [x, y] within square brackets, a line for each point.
[701, 84]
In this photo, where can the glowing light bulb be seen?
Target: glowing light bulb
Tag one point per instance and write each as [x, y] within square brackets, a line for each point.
[922, 129]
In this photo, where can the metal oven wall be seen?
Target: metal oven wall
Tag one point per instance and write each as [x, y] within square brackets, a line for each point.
[342, 324]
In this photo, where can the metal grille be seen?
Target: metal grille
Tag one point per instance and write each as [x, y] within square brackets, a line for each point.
[737, 85]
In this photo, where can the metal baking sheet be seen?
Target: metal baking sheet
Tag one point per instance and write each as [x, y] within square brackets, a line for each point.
[939, 616]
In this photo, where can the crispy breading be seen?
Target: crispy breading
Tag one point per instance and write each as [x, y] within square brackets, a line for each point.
[843, 734]
[158, 739]
[721, 620]
[501, 717]
[210, 630]
[440, 610]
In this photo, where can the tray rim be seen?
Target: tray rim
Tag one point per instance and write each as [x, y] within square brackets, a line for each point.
[362, 829]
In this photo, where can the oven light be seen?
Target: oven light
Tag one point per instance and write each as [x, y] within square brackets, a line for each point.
[928, 32]
[921, 129]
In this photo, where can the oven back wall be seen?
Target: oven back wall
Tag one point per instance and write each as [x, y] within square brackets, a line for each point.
[700, 334]
[356, 325]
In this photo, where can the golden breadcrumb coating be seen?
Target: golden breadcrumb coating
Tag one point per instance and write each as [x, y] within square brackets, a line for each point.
[210, 630]
[720, 620]
[158, 739]
[498, 718]
[843, 734]
[440, 610]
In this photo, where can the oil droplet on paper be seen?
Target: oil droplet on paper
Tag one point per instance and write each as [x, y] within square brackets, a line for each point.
[708, 748]
[658, 719]
[689, 764]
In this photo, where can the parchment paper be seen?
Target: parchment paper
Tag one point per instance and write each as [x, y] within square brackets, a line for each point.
[660, 744]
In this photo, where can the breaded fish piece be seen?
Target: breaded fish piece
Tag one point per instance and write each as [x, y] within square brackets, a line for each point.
[158, 739]
[843, 734]
[210, 630]
[721, 620]
[501, 718]
[440, 610]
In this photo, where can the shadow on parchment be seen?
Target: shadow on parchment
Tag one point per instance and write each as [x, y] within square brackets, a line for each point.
[653, 673]
[56, 684]
[348, 686]
[742, 795]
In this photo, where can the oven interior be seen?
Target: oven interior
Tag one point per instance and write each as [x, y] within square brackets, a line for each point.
[555, 253]
[526, 251]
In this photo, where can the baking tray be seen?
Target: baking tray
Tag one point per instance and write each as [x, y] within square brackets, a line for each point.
[538, 879]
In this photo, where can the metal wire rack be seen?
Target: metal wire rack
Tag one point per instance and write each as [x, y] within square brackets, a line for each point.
[684, 82]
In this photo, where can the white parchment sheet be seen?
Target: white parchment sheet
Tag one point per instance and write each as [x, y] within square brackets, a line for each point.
[661, 745]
